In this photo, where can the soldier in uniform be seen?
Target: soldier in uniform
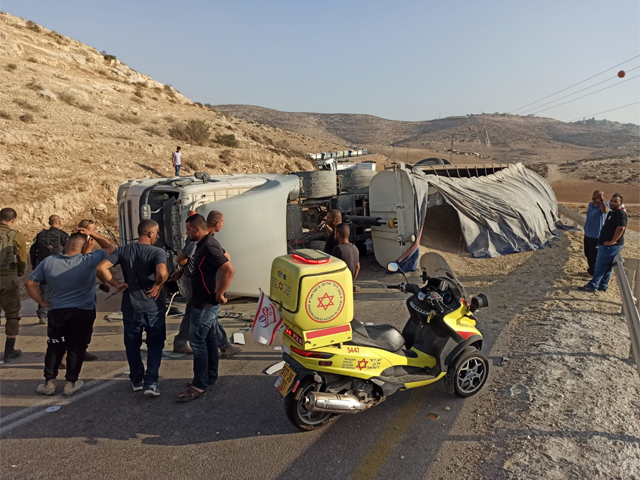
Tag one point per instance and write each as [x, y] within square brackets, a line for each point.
[48, 242]
[13, 262]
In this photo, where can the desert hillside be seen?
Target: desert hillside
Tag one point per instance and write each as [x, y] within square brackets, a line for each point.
[76, 123]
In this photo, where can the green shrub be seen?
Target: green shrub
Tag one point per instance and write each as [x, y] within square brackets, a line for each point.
[106, 56]
[86, 107]
[12, 66]
[32, 60]
[229, 140]
[197, 132]
[27, 118]
[153, 131]
[5, 115]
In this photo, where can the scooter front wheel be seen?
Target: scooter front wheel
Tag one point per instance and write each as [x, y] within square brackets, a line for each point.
[471, 374]
[297, 412]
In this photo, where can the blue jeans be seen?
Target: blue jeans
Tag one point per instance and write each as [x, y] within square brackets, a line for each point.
[177, 167]
[203, 337]
[604, 264]
[154, 324]
[180, 340]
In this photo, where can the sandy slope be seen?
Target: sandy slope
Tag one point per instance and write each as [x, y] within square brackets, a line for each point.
[75, 126]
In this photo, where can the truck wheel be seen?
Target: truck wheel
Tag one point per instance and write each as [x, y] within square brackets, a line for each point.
[471, 374]
[297, 412]
[320, 184]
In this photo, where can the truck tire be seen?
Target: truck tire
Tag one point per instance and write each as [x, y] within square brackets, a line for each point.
[320, 184]
[355, 181]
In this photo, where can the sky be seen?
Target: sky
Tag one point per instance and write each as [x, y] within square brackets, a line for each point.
[402, 60]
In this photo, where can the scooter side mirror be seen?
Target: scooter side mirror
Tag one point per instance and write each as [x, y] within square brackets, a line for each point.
[479, 301]
[393, 267]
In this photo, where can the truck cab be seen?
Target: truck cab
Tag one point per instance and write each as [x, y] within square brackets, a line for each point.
[254, 206]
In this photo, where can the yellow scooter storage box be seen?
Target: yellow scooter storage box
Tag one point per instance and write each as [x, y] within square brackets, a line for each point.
[314, 289]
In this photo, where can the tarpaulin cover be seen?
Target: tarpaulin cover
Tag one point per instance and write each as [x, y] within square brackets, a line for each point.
[512, 210]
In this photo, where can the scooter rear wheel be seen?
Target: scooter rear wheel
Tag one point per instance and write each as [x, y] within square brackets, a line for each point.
[297, 412]
[471, 374]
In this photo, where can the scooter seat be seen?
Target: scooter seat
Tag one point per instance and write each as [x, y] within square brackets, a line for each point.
[386, 337]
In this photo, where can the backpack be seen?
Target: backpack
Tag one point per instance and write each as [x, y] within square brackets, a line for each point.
[48, 242]
[7, 250]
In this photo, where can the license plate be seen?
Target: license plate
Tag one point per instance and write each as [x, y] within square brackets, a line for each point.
[285, 380]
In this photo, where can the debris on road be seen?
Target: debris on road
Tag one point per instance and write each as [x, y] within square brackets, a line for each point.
[53, 409]
[238, 338]
[274, 368]
[113, 317]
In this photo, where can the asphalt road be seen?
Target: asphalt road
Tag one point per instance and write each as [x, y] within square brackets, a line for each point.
[237, 430]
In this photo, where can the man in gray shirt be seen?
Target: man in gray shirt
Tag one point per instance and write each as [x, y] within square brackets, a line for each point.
[72, 302]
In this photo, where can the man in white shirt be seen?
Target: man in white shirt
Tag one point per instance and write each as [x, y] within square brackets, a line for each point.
[176, 160]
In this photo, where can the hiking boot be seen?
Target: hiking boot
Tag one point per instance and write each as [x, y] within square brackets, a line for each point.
[230, 351]
[90, 357]
[11, 355]
[72, 387]
[47, 388]
[182, 348]
[151, 391]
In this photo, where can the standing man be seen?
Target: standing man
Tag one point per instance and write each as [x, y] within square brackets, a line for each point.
[47, 243]
[144, 268]
[596, 214]
[206, 299]
[610, 243]
[72, 301]
[13, 262]
[334, 218]
[346, 251]
[185, 260]
[176, 158]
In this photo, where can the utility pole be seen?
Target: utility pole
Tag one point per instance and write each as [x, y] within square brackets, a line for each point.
[453, 135]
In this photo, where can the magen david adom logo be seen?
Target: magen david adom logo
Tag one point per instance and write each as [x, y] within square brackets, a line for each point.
[325, 301]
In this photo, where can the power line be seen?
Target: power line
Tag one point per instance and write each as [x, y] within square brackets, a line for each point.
[574, 93]
[565, 89]
[606, 111]
[588, 94]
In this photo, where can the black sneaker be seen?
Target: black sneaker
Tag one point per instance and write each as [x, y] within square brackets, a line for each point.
[586, 288]
[151, 391]
[603, 289]
[12, 355]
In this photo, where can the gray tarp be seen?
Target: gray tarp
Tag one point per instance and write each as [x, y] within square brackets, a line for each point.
[512, 210]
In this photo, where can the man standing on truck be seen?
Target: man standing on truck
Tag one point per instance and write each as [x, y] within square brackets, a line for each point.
[48, 242]
[13, 263]
[206, 298]
[72, 301]
[144, 268]
[185, 260]
[177, 162]
[334, 218]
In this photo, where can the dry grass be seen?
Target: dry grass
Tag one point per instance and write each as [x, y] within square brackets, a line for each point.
[137, 100]
[26, 105]
[11, 66]
[86, 107]
[33, 85]
[67, 98]
[153, 131]
[197, 132]
[138, 93]
[27, 118]
[5, 115]
[31, 25]
[32, 60]
[124, 118]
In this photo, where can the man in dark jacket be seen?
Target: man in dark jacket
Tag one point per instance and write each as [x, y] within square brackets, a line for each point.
[48, 242]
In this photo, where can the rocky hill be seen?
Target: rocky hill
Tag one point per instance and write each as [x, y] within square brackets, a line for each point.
[76, 123]
[498, 130]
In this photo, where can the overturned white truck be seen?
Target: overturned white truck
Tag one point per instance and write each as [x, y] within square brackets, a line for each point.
[490, 210]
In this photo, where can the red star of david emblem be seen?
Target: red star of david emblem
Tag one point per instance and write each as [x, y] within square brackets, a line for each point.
[329, 299]
[362, 364]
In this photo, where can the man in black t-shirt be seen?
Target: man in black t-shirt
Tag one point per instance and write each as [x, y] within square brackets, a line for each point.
[206, 297]
[334, 218]
[610, 243]
[144, 268]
